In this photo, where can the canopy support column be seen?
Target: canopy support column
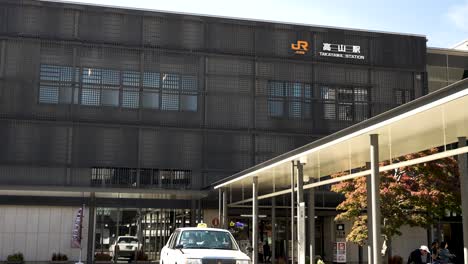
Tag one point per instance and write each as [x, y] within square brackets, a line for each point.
[293, 237]
[369, 215]
[375, 198]
[255, 220]
[311, 215]
[463, 167]
[301, 241]
[273, 230]
[220, 205]
[225, 210]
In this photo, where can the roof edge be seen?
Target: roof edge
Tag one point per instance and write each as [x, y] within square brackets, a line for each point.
[234, 18]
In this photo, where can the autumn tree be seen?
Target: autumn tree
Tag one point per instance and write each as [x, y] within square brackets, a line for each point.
[416, 195]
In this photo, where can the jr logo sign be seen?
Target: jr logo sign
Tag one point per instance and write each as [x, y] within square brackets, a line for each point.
[300, 47]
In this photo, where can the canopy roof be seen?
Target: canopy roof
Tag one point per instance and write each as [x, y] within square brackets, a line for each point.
[434, 120]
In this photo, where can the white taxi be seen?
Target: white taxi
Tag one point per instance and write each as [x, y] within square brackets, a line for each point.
[201, 245]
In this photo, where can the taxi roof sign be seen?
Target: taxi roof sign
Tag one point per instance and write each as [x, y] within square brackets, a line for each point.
[202, 225]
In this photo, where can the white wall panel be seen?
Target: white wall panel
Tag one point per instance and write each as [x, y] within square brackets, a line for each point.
[33, 220]
[39, 231]
[31, 246]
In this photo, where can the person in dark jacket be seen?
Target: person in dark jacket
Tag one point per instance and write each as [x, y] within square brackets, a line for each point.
[266, 252]
[417, 256]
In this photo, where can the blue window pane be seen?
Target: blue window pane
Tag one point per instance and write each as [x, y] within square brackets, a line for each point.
[294, 89]
[308, 91]
[90, 96]
[151, 79]
[150, 100]
[170, 102]
[170, 81]
[110, 77]
[49, 73]
[65, 95]
[276, 108]
[188, 103]
[276, 89]
[48, 94]
[131, 98]
[110, 97]
[91, 76]
[295, 109]
[131, 78]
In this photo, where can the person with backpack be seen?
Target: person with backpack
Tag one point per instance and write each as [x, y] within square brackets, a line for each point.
[419, 255]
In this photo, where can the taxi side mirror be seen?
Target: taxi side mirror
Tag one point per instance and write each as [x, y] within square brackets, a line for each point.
[180, 246]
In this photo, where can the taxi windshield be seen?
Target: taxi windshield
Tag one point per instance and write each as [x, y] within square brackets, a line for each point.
[206, 239]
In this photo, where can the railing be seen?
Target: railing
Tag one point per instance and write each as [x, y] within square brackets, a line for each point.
[97, 177]
[142, 178]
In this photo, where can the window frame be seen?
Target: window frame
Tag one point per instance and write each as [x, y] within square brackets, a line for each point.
[290, 99]
[345, 109]
[121, 88]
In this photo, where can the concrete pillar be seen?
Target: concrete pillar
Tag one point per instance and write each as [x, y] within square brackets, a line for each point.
[273, 230]
[375, 198]
[311, 216]
[463, 167]
[255, 220]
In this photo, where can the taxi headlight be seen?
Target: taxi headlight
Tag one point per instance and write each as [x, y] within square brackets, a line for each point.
[193, 261]
[243, 261]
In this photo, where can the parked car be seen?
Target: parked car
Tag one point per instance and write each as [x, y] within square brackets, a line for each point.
[198, 245]
[124, 246]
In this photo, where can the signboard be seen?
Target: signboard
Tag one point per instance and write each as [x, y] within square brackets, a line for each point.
[300, 47]
[77, 228]
[339, 252]
[341, 51]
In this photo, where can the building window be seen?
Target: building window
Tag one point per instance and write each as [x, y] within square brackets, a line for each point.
[151, 90]
[57, 84]
[403, 96]
[100, 87]
[128, 89]
[289, 99]
[131, 89]
[346, 104]
[149, 178]
[179, 93]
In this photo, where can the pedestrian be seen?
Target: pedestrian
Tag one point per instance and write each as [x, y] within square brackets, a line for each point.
[266, 252]
[444, 254]
[319, 260]
[435, 251]
[260, 251]
[419, 255]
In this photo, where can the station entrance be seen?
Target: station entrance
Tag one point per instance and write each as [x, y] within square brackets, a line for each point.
[150, 226]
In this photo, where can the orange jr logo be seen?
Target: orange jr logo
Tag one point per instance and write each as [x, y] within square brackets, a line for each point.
[300, 47]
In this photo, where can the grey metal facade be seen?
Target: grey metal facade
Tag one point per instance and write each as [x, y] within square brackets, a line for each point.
[445, 66]
[106, 97]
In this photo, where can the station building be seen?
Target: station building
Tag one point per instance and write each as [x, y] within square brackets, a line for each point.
[136, 113]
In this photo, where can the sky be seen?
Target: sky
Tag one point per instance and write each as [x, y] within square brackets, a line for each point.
[443, 22]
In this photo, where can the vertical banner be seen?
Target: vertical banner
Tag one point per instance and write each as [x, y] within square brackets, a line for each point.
[77, 227]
